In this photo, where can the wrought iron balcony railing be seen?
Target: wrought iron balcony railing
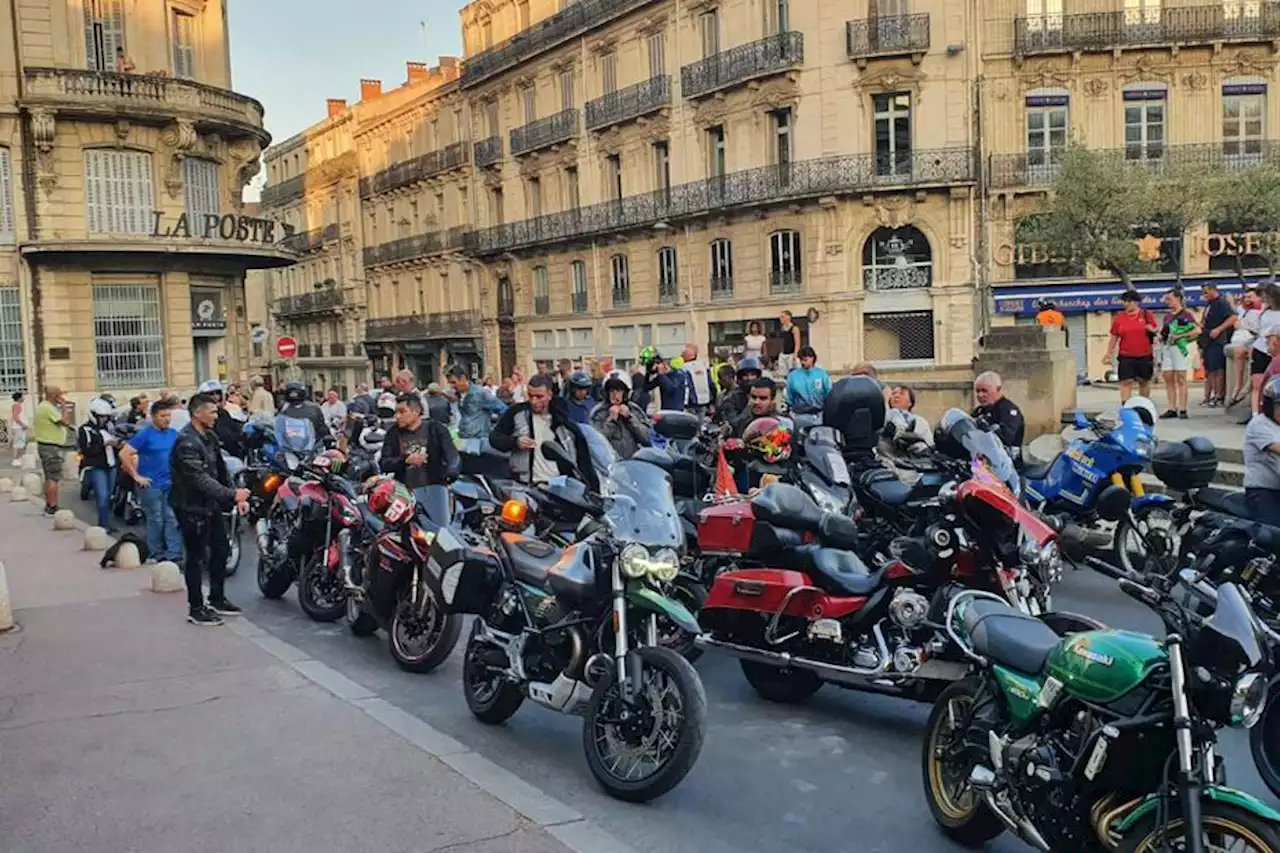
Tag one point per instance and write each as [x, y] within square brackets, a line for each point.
[666, 293]
[317, 302]
[488, 151]
[785, 281]
[1024, 170]
[304, 350]
[849, 173]
[457, 324]
[573, 20]
[284, 192]
[545, 132]
[721, 287]
[542, 305]
[578, 303]
[1101, 31]
[419, 168]
[417, 246]
[895, 36]
[632, 102]
[309, 241]
[745, 62]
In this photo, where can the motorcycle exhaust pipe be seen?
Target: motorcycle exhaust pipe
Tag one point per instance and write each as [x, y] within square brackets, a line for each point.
[983, 780]
[261, 533]
[829, 671]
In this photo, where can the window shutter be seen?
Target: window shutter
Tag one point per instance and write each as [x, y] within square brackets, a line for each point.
[184, 65]
[201, 179]
[145, 197]
[112, 30]
[6, 197]
[90, 38]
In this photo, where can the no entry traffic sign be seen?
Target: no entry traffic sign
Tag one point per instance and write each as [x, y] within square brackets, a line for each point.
[286, 347]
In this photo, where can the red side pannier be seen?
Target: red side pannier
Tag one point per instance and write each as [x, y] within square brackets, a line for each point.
[726, 528]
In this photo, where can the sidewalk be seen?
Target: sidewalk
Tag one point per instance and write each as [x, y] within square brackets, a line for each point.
[123, 728]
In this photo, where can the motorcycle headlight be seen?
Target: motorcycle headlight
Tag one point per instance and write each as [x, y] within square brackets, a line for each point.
[634, 561]
[665, 565]
[827, 499]
[1248, 699]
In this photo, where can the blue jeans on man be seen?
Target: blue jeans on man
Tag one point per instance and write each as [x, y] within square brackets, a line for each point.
[102, 482]
[164, 539]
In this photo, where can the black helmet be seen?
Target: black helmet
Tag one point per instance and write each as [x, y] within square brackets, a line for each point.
[749, 364]
[580, 381]
[296, 392]
[855, 408]
[1267, 400]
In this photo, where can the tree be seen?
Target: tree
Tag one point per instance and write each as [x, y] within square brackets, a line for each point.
[1180, 197]
[1245, 201]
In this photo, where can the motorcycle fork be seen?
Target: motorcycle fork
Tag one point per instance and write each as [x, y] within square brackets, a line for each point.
[626, 662]
[1191, 783]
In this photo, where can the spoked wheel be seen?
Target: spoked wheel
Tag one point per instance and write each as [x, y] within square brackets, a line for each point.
[1149, 541]
[234, 551]
[1225, 829]
[490, 695]
[321, 593]
[275, 570]
[947, 764]
[639, 751]
[421, 634]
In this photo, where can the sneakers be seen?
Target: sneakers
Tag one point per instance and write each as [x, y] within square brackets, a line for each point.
[50, 510]
[224, 608]
[1169, 415]
[1182, 415]
[204, 617]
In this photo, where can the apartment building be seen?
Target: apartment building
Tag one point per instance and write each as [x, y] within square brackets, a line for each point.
[123, 240]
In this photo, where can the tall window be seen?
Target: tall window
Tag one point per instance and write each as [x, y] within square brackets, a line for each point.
[533, 196]
[717, 158]
[541, 291]
[491, 118]
[7, 234]
[579, 294]
[118, 191]
[893, 134]
[657, 54]
[530, 97]
[13, 366]
[777, 17]
[782, 151]
[1144, 119]
[201, 180]
[1046, 134]
[621, 282]
[572, 196]
[613, 175]
[668, 277]
[662, 166]
[721, 269]
[128, 335]
[1138, 13]
[709, 32]
[784, 262]
[566, 89]
[496, 207]
[103, 33]
[184, 45]
[1243, 113]
[609, 73]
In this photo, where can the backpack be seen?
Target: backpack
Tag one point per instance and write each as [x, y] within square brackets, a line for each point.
[294, 434]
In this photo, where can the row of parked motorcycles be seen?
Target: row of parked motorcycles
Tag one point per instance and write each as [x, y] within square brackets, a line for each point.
[868, 559]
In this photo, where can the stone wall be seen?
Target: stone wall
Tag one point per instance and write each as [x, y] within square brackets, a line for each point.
[1038, 370]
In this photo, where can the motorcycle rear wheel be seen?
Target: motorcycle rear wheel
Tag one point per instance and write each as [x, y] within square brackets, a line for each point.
[442, 630]
[1153, 545]
[1264, 740]
[320, 592]
[491, 697]
[961, 814]
[787, 686]
[1218, 820]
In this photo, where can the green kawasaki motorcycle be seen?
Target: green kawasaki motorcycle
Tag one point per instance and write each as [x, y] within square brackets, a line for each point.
[1102, 740]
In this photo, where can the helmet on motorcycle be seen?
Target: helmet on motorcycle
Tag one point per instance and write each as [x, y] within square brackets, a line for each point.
[856, 408]
[748, 365]
[391, 501]
[296, 392]
[579, 381]
[331, 461]
[100, 408]
[1269, 396]
[770, 438]
[1144, 407]
[386, 405]
[372, 439]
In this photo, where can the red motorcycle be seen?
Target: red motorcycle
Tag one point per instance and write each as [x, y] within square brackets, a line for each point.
[298, 525]
[821, 614]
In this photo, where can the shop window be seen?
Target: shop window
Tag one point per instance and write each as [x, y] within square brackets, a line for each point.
[898, 336]
[118, 191]
[201, 179]
[897, 259]
[128, 336]
[13, 367]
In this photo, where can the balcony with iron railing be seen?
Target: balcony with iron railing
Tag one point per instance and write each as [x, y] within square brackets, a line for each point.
[446, 324]
[416, 246]
[1005, 171]
[317, 302]
[143, 98]
[738, 65]
[578, 302]
[544, 132]
[783, 282]
[900, 35]
[632, 102]
[304, 350]
[309, 241]
[488, 151]
[441, 160]
[1154, 26]
[277, 195]
[841, 174]
[542, 305]
[721, 287]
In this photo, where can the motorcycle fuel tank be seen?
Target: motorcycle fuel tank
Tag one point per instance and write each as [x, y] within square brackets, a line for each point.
[1102, 666]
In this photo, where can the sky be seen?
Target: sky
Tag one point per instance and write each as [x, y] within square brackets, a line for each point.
[293, 54]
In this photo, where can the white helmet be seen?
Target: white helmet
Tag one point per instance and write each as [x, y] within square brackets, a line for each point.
[372, 439]
[387, 401]
[210, 386]
[1145, 408]
[100, 408]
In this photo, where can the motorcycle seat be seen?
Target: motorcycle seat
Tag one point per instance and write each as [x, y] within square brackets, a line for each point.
[1007, 636]
[784, 505]
[531, 559]
[1038, 471]
[841, 572]
[1223, 500]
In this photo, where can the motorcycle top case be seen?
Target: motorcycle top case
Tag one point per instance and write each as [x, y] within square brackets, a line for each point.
[469, 578]
[726, 528]
[1185, 465]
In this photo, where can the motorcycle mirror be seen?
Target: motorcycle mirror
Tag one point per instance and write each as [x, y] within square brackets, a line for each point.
[1113, 503]
[1081, 421]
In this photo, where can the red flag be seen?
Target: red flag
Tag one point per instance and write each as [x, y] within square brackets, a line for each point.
[725, 484]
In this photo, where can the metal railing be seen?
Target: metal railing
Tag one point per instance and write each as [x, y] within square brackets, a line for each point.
[785, 281]
[578, 303]
[309, 241]
[1018, 170]
[308, 303]
[721, 287]
[742, 63]
[304, 350]
[1095, 31]
[632, 102]
[416, 246]
[848, 173]
[888, 36]
[284, 192]
[544, 132]
[444, 324]
[337, 350]
[488, 151]
[542, 305]
[402, 174]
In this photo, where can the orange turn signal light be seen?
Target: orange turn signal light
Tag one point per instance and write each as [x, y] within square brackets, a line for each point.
[515, 513]
[271, 483]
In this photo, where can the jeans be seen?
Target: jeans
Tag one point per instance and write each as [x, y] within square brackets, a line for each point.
[204, 538]
[1264, 505]
[164, 541]
[102, 481]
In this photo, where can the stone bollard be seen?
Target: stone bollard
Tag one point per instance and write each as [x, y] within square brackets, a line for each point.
[64, 519]
[6, 485]
[6, 608]
[18, 494]
[127, 556]
[97, 539]
[33, 483]
[167, 577]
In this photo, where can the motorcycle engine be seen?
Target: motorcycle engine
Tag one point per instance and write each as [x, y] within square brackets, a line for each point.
[908, 609]
[1037, 767]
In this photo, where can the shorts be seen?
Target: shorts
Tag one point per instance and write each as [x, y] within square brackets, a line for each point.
[1260, 362]
[18, 437]
[1137, 368]
[1174, 360]
[52, 457]
[1214, 356]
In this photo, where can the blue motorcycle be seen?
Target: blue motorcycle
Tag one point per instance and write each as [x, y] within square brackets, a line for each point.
[1110, 459]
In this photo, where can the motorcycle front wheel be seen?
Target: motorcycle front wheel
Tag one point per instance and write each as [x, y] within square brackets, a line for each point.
[321, 593]
[1149, 541]
[1224, 828]
[274, 578]
[644, 753]
[234, 551]
[421, 635]
[1264, 740]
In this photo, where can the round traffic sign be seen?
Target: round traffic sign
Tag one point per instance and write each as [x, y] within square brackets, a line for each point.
[286, 347]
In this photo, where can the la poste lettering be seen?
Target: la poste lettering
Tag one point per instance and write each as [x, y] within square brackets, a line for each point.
[212, 226]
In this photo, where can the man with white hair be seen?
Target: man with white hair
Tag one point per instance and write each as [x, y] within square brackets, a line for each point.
[997, 412]
[701, 390]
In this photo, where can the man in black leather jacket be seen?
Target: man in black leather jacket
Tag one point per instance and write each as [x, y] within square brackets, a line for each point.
[200, 494]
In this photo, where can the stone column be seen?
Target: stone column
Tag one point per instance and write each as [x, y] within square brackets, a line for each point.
[1038, 370]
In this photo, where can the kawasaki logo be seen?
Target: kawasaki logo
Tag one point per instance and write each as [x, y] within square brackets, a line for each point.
[1095, 657]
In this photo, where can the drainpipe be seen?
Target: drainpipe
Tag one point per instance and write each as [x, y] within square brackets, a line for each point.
[29, 199]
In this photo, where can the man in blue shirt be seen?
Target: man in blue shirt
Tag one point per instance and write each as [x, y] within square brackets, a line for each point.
[476, 405]
[807, 385]
[146, 458]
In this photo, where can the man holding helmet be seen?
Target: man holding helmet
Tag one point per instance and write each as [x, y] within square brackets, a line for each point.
[1262, 458]
[97, 445]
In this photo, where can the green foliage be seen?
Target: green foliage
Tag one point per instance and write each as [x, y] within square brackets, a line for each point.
[1247, 200]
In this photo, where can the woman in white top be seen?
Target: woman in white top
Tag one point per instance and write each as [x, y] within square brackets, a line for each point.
[753, 342]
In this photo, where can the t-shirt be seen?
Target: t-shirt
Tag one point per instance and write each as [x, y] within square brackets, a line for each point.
[543, 469]
[1261, 469]
[1135, 342]
[1273, 370]
[1268, 322]
[1216, 312]
[154, 447]
[49, 428]
[1183, 318]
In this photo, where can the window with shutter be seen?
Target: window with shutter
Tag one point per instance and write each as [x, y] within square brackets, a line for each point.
[103, 33]
[6, 198]
[201, 179]
[184, 50]
[118, 192]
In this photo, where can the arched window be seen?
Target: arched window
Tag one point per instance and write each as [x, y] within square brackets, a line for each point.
[668, 277]
[541, 291]
[784, 262]
[897, 259]
[621, 282]
[721, 269]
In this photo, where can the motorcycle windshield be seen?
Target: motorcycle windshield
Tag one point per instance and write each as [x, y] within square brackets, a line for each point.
[982, 447]
[433, 505]
[643, 509]
[822, 452]
[1232, 632]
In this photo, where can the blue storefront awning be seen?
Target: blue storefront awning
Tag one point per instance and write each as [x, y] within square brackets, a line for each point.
[1083, 296]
